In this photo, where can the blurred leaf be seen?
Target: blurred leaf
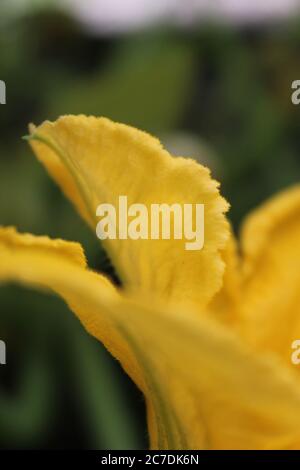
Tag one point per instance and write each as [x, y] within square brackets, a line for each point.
[104, 404]
[24, 416]
[145, 86]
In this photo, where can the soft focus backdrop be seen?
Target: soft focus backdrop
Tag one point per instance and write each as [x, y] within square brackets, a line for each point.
[213, 81]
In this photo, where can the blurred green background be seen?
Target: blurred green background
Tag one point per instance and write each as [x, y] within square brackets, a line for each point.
[221, 93]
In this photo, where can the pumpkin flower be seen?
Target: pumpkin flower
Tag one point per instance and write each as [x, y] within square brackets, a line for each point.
[206, 334]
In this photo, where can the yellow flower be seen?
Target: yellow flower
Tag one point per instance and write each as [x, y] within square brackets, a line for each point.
[206, 335]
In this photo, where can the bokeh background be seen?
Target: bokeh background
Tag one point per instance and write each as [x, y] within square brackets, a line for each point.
[213, 80]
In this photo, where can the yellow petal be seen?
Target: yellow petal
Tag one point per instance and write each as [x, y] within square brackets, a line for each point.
[271, 291]
[11, 239]
[225, 304]
[25, 257]
[95, 161]
[219, 394]
[203, 388]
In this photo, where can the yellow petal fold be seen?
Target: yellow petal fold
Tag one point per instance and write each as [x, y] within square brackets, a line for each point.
[95, 161]
[203, 388]
[225, 304]
[271, 284]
